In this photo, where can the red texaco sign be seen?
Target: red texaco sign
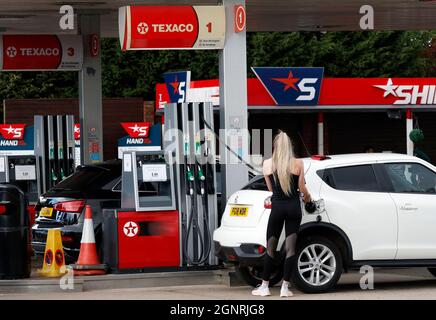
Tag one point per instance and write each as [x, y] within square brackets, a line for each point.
[41, 52]
[171, 27]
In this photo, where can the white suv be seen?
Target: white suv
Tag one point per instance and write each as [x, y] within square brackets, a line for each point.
[373, 209]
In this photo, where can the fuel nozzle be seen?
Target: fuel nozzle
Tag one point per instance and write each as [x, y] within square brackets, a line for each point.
[54, 177]
[200, 174]
[190, 178]
[189, 174]
[202, 179]
[62, 174]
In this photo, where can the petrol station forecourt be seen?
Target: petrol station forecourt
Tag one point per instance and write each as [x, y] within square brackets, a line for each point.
[143, 202]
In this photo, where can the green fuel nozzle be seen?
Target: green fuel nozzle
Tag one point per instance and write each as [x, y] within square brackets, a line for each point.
[200, 174]
[189, 174]
[53, 175]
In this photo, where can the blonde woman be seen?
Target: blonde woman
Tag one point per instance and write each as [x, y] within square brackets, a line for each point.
[284, 175]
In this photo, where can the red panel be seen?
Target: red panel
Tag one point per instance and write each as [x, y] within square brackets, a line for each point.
[148, 26]
[205, 83]
[162, 95]
[343, 91]
[257, 94]
[154, 242]
[31, 52]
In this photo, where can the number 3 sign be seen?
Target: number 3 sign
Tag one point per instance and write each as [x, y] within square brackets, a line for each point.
[240, 18]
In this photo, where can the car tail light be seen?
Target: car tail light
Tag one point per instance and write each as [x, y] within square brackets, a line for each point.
[319, 157]
[232, 257]
[267, 203]
[70, 206]
[3, 209]
[260, 249]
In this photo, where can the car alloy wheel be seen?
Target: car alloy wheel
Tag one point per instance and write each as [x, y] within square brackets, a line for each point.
[316, 264]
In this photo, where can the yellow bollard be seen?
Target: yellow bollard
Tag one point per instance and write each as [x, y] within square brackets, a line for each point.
[54, 258]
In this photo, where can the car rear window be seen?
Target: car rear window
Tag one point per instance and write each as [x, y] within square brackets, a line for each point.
[86, 178]
[257, 183]
[352, 178]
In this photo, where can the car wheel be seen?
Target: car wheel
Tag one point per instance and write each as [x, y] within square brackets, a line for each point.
[252, 275]
[432, 271]
[318, 266]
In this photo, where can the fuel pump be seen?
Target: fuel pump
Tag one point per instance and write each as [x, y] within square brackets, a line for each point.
[193, 144]
[144, 233]
[54, 149]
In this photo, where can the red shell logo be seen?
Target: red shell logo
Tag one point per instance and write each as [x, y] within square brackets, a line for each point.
[136, 129]
[12, 131]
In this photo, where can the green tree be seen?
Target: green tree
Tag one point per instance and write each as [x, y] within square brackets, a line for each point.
[342, 54]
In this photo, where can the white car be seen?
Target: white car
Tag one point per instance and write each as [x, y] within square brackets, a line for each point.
[373, 209]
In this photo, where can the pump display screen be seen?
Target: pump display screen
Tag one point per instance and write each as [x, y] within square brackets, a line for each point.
[154, 172]
[25, 172]
[153, 187]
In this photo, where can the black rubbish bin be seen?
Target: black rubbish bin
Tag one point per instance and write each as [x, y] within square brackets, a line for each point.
[14, 233]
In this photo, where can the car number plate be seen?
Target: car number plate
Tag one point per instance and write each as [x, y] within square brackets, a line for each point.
[46, 212]
[238, 211]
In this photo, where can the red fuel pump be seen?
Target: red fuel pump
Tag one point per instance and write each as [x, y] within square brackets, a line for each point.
[145, 233]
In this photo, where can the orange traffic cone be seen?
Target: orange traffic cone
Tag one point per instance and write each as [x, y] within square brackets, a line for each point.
[88, 262]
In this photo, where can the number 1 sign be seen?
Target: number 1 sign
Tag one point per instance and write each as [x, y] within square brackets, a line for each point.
[171, 27]
[240, 18]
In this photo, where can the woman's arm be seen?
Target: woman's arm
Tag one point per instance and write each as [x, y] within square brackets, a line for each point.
[302, 183]
[266, 168]
[268, 183]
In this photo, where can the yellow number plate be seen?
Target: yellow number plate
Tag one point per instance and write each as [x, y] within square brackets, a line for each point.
[46, 212]
[238, 211]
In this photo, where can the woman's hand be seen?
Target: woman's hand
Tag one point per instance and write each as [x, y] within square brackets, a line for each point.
[307, 197]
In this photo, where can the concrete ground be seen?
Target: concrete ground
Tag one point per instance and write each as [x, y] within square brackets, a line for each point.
[401, 284]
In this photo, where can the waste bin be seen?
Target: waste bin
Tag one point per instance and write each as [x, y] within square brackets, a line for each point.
[14, 233]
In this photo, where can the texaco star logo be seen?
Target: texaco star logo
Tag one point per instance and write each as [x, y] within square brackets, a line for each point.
[130, 229]
[11, 52]
[142, 28]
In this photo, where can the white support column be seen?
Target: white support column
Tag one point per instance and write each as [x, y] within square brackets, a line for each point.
[409, 128]
[321, 133]
[233, 104]
[90, 97]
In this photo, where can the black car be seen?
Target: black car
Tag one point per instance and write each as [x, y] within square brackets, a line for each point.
[63, 206]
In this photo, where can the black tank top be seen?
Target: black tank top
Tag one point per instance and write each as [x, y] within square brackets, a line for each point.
[278, 193]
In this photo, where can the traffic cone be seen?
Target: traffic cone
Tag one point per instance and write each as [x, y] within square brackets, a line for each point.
[88, 262]
[54, 258]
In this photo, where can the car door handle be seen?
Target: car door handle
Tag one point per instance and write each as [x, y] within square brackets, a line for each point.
[408, 207]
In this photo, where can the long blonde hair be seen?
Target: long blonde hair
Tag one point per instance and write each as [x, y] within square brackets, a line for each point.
[282, 163]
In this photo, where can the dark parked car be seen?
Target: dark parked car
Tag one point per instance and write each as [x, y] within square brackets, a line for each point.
[63, 206]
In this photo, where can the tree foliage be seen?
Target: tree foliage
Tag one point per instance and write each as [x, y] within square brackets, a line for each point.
[343, 54]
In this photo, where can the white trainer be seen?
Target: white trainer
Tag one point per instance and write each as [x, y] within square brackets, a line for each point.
[261, 290]
[285, 292]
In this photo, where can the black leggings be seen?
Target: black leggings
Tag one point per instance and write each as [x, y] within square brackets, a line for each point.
[286, 212]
